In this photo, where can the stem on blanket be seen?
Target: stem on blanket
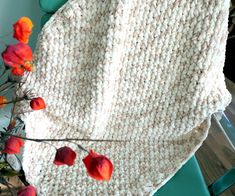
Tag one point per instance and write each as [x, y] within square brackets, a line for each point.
[14, 101]
[64, 139]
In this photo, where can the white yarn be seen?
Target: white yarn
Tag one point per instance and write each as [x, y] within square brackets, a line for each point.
[146, 71]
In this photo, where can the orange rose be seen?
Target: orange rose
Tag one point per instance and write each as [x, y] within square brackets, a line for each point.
[23, 29]
[2, 101]
[98, 166]
[37, 103]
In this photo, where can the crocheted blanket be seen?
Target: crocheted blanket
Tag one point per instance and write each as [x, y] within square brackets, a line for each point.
[147, 72]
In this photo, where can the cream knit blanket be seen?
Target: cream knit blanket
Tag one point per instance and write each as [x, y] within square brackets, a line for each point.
[148, 71]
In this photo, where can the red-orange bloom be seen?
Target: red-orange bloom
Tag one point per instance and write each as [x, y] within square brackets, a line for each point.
[18, 71]
[13, 145]
[23, 29]
[37, 103]
[2, 101]
[18, 56]
[98, 166]
[65, 156]
[27, 191]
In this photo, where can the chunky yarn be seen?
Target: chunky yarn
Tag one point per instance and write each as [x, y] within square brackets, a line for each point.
[147, 72]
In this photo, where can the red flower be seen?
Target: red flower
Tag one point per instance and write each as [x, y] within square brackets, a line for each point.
[13, 145]
[18, 71]
[98, 166]
[27, 191]
[18, 56]
[23, 29]
[37, 103]
[65, 156]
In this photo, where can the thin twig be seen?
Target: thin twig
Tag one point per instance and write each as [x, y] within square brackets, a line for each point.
[12, 110]
[25, 79]
[7, 184]
[22, 176]
[64, 139]
[49, 144]
[79, 146]
[7, 87]
[24, 112]
[14, 101]
[4, 71]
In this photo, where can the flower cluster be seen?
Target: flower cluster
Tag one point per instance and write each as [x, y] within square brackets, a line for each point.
[19, 56]
[19, 59]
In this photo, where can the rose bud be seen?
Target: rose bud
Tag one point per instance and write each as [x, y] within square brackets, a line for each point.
[37, 103]
[65, 156]
[27, 191]
[18, 56]
[3, 100]
[13, 145]
[23, 29]
[98, 166]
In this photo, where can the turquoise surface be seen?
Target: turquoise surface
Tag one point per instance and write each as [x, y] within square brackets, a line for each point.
[50, 6]
[188, 181]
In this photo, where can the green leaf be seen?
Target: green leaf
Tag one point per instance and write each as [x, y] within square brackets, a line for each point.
[9, 172]
[3, 165]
